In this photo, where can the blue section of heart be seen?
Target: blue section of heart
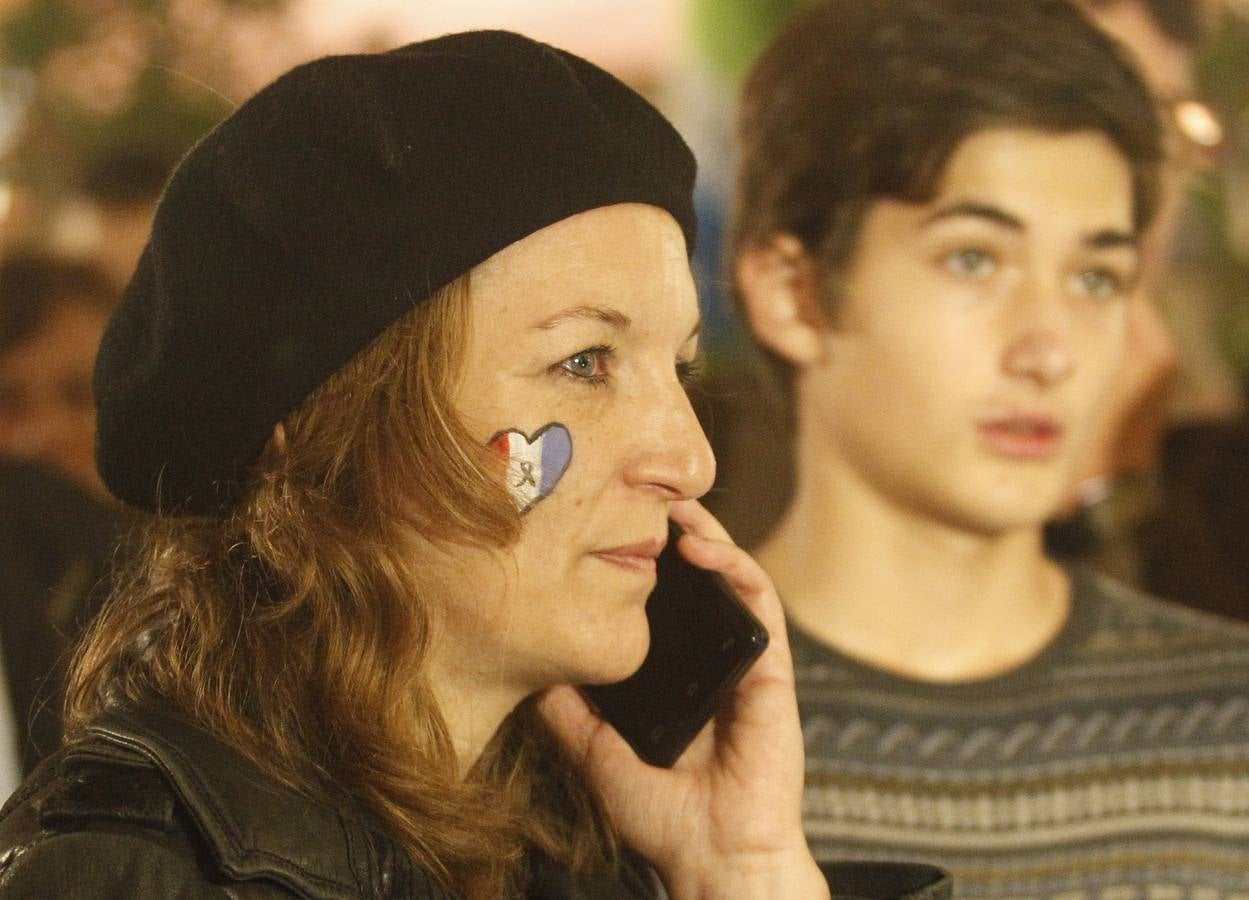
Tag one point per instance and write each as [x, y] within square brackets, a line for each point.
[556, 454]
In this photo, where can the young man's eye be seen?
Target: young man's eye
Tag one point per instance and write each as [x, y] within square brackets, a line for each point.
[1100, 283]
[588, 365]
[971, 262]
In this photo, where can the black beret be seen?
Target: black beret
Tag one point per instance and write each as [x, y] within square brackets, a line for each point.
[322, 210]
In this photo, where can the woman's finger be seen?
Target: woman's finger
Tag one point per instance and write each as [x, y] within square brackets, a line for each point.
[696, 519]
[711, 547]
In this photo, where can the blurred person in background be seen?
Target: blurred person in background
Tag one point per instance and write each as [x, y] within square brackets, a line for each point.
[943, 211]
[1160, 36]
[56, 527]
[1137, 511]
[56, 541]
[122, 188]
[52, 314]
[1170, 511]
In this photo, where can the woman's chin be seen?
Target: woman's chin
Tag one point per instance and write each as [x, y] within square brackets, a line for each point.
[618, 661]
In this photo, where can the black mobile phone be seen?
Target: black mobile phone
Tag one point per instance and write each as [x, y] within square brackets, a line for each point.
[703, 640]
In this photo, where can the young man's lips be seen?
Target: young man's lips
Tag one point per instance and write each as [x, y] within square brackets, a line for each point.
[1023, 437]
[639, 557]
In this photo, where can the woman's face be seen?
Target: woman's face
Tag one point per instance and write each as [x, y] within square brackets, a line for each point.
[580, 336]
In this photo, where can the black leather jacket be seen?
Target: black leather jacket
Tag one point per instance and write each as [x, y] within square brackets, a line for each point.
[147, 806]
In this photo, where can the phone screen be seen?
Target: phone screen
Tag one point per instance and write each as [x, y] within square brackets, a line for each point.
[703, 640]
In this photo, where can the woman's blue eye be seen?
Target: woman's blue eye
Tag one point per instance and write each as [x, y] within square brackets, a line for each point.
[976, 263]
[587, 365]
[582, 364]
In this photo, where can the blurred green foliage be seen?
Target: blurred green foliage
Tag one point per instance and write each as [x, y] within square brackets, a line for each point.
[731, 33]
[35, 30]
[1221, 201]
[77, 121]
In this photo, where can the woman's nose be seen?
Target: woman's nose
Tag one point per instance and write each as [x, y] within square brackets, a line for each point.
[672, 455]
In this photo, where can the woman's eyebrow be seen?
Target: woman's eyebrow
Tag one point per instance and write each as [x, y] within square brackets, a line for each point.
[612, 317]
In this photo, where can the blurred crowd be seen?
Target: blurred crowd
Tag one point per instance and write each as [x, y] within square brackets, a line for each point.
[98, 101]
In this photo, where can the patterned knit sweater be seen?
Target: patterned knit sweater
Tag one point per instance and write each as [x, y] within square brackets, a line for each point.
[1113, 766]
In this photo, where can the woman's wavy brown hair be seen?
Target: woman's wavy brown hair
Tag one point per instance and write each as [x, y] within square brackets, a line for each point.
[297, 631]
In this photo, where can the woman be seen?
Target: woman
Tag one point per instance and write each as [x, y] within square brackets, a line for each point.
[400, 372]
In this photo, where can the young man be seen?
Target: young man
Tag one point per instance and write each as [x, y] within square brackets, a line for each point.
[940, 211]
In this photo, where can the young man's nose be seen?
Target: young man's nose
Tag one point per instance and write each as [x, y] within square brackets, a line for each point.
[1039, 337]
[671, 455]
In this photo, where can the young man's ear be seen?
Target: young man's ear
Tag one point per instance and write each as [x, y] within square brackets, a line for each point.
[779, 284]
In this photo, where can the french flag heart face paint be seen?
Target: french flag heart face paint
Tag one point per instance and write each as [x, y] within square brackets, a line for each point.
[533, 465]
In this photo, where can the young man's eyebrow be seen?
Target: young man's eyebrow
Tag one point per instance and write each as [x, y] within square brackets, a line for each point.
[994, 214]
[612, 317]
[1106, 239]
[1111, 238]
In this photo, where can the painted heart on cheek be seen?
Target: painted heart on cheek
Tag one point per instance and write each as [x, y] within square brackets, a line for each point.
[534, 464]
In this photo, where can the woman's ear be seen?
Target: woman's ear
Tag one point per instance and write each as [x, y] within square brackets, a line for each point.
[779, 284]
[277, 442]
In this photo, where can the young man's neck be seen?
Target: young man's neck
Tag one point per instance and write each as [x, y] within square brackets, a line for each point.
[904, 592]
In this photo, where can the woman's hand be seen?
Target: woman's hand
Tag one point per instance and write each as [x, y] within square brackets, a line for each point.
[725, 821]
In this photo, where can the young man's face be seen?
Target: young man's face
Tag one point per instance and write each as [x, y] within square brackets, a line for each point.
[975, 335]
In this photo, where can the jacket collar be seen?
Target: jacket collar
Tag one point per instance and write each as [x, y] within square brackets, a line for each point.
[255, 826]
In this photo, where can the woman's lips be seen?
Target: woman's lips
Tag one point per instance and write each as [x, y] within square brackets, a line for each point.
[1023, 437]
[639, 557]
